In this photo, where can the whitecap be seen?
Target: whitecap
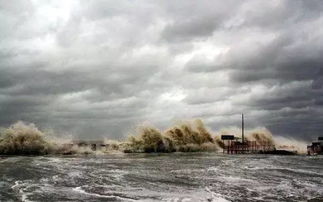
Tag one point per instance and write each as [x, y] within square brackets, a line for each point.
[82, 191]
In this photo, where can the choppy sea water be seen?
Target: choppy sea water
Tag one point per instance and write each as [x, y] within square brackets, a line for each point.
[161, 177]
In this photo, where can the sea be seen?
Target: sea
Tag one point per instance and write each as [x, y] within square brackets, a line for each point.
[176, 177]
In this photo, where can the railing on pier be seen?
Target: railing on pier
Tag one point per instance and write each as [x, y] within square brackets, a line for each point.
[237, 147]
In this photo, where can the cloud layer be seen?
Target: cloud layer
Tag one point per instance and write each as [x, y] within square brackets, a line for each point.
[98, 68]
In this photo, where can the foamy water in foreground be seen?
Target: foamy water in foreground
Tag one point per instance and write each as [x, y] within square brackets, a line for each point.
[162, 177]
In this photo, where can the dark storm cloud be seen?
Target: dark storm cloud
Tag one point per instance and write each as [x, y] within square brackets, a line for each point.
[99, 68]
[189, 20]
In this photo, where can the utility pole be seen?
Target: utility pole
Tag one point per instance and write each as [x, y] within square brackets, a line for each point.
[242, 129]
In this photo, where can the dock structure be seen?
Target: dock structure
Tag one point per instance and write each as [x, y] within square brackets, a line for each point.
[316, 148]
[236, 145]
[93, 144]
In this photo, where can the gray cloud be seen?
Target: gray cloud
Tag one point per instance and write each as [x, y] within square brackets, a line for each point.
[98, 68]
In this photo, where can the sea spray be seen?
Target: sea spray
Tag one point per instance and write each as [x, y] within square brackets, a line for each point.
[291, 144]
[26, 139]
[261, 136]
[184, 137]
[21, 138]
[149, 139]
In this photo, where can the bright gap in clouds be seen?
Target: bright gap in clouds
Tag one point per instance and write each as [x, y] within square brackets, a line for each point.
[174, 95]
[54, 12]
[208, 50]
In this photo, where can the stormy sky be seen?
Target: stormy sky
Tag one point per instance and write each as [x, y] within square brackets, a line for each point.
[99, 68]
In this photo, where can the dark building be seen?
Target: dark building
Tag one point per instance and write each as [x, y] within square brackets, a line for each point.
[316, 147]
[236, 145]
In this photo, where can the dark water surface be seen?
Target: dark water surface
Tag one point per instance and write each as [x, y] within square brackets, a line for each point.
[165, 177]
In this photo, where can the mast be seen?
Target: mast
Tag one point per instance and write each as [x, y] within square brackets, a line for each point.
[242, 128]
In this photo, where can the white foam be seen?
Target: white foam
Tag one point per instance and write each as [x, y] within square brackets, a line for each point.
[19, 187]
[82, 191]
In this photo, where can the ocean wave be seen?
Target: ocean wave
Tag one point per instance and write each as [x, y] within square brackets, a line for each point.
[20, 187]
